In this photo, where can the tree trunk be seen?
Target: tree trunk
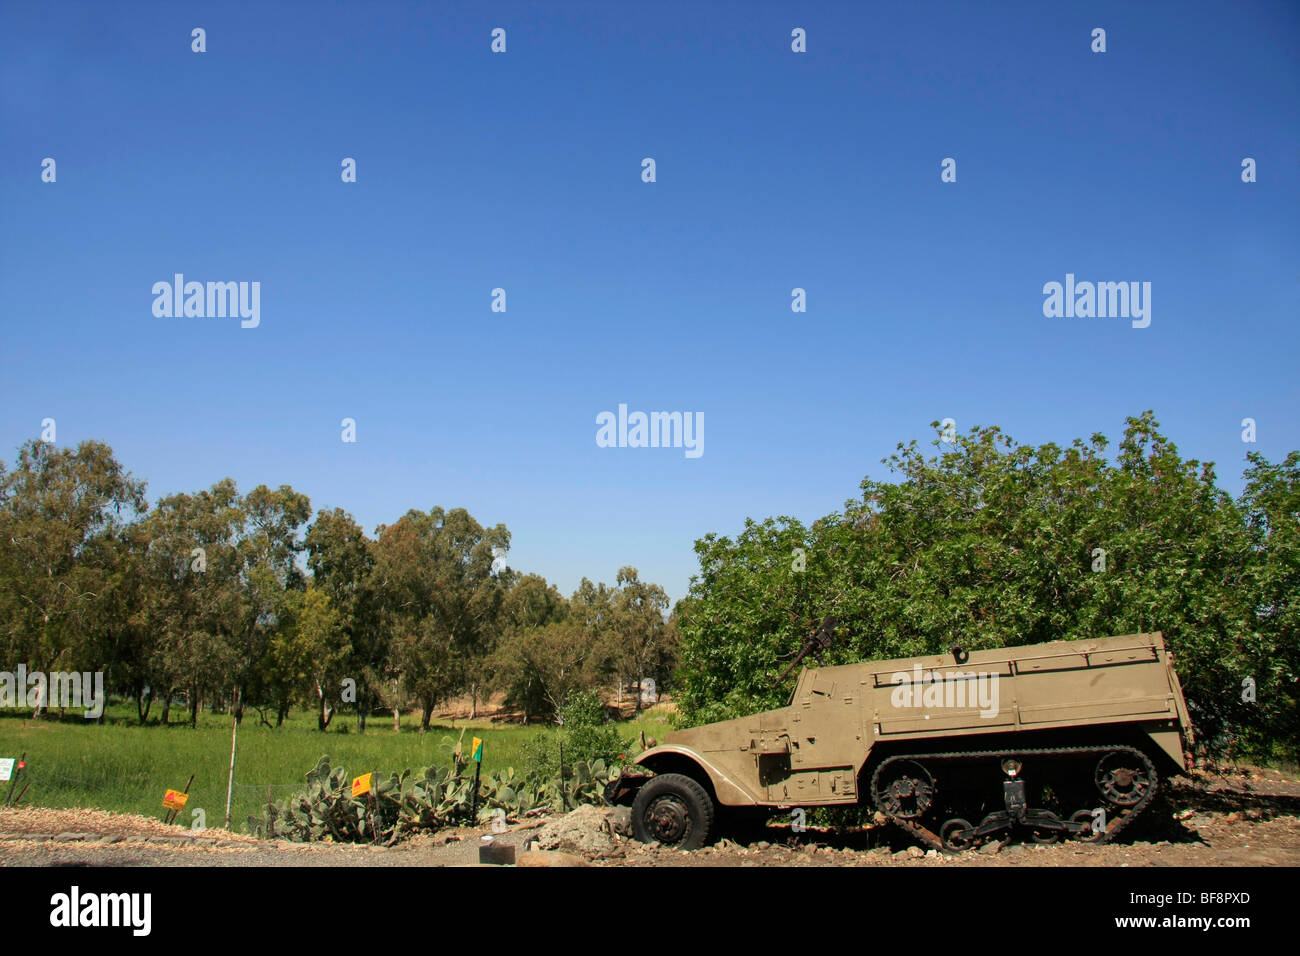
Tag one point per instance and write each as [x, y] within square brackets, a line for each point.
[194, 707]
[41, 693]
[142, 704]
[325, 715]
[473, 701]
[426, 712]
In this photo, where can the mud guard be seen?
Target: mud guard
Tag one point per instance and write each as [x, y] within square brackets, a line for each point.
[671, 758]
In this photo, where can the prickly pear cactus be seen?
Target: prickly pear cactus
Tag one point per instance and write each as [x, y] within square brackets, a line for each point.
[442, 796]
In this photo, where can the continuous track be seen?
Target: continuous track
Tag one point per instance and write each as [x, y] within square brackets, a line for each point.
[909, 788]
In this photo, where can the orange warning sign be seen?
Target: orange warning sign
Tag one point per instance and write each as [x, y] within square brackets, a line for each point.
[175, 800]
[361, 785]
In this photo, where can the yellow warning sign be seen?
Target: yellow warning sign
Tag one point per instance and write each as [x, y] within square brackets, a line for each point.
[175, 800]
[361, 785]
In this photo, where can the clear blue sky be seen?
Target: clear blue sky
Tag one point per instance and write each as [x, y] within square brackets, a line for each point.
[775, 170]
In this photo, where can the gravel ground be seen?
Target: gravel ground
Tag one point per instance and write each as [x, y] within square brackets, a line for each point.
[1245, 818]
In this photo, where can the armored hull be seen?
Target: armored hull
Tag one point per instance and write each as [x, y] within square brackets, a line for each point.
[1061, 740]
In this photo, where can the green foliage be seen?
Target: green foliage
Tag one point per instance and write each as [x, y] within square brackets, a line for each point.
[439, 592]
[403, 804]
[1271, 505]
[204, 597]
[589, 736]
[539, 755]
[990, 544]
[539, 667]
[67, 571]
[587, 739]
[552, 648]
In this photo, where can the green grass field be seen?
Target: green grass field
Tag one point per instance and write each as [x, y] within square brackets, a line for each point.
[124, 767]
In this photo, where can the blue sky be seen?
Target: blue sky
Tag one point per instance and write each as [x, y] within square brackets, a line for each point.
[522, 170]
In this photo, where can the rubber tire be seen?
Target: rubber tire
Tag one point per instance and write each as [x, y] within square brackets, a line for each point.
[699, 809]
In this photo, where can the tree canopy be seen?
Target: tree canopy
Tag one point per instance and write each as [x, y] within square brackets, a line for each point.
[242, 599]
[989, 543]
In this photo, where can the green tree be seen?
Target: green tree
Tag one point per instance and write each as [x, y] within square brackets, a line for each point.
[987, 544]
[64, 519]
[440, 594]
[311, 651]
[193, 603]
[1271, 504]
[529, 604]
[639, 642]
[541, 666]
[269, 545]
[341, 559]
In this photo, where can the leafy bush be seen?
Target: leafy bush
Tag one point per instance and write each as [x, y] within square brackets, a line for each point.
[540, 754]
[589, 735]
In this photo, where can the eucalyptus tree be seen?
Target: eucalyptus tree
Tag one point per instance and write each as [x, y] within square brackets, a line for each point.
[64, 520]
[440, 588]
[341, 559]
[194, 604]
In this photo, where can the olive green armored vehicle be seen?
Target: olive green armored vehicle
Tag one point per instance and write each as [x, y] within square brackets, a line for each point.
[1066, 740]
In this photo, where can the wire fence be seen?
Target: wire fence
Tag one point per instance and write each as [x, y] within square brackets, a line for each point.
[33, 776]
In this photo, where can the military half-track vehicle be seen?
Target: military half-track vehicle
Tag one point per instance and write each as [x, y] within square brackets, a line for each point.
[1066, 740]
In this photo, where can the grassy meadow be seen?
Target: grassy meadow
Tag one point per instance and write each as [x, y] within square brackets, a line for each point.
[125, 767]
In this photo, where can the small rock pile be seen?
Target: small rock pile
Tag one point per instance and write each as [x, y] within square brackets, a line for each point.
[586, 831]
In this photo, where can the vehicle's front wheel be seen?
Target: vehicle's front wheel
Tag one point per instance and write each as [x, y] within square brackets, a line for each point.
[674, 810]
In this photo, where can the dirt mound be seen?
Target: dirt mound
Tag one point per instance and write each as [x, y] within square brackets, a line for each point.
[92, 822]
[585, 831]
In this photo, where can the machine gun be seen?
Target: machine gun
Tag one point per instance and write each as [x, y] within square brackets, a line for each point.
[820, 641]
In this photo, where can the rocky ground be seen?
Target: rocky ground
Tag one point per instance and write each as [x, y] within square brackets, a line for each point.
[1237, 818]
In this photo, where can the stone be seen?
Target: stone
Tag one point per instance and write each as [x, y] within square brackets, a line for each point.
[585, 830]
[620, 820]
[549, 858]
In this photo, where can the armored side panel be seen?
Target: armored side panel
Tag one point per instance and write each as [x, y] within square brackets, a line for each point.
[813, 751]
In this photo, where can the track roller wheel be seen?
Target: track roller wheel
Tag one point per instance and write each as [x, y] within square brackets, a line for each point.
[949, 834]
[1091, 835]
[1122, 779]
